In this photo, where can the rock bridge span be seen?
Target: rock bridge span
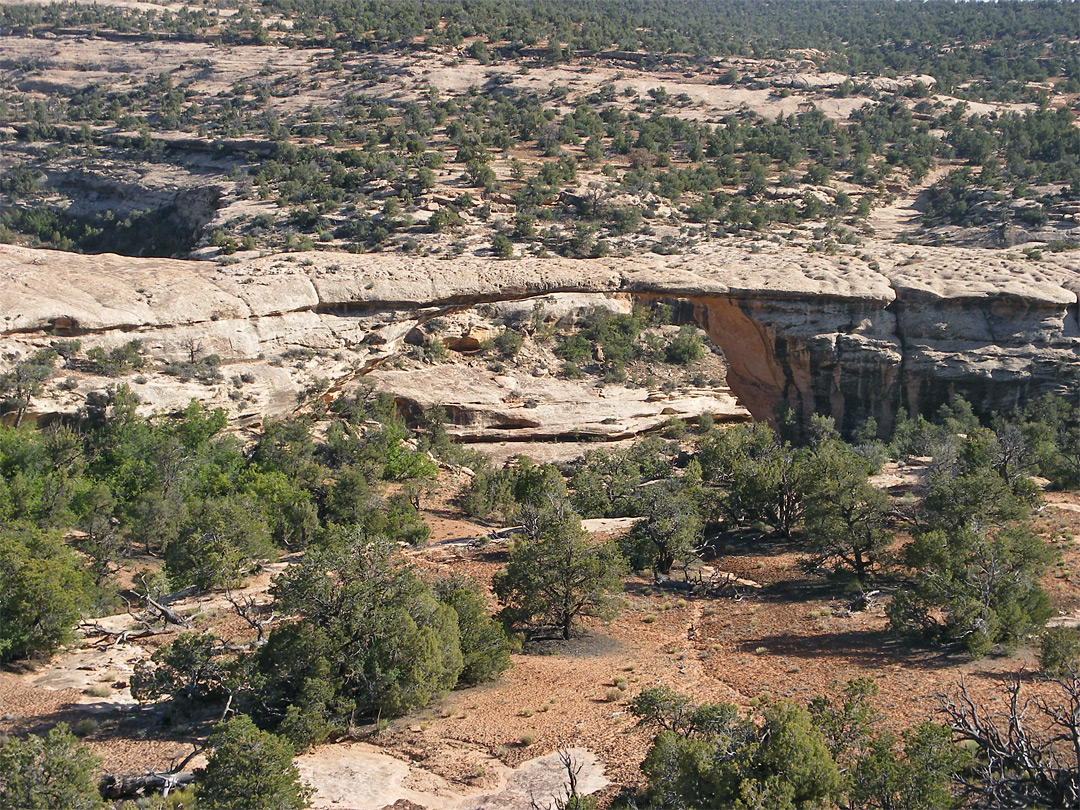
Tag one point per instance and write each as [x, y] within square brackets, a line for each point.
[848, 335]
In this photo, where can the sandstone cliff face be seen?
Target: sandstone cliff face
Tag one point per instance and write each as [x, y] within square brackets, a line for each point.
[852, 336]
[895, 327]
[834, 356]
[998, 334]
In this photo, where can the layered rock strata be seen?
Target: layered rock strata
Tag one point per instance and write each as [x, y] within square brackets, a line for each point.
[852, 336]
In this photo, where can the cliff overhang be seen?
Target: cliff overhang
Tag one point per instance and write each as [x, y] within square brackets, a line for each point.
[853, 336]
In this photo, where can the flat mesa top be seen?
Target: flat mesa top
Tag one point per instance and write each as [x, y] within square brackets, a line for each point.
[105, 291]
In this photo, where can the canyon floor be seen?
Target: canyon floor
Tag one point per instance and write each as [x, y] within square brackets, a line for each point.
[782, 633]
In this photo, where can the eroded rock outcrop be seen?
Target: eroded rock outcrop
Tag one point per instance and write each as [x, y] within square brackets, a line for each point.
[995, 330]
[483, 406]
[853, 336]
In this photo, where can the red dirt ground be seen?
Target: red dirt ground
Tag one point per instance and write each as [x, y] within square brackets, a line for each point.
[793, 637]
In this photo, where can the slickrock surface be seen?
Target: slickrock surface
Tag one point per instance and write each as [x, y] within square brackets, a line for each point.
[853, 335]
[493, 408]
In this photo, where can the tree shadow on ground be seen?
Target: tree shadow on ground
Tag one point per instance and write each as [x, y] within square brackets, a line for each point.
[793, 591]
[745, 543]
[869, 648]
[839, 586]
[453, 512]
[585, 644]
[494, 555]
[112, 721]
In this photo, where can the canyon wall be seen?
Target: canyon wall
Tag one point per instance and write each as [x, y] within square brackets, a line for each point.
[852, 335]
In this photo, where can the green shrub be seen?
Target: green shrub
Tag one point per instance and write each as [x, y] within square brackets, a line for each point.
[192, 671]
[206, 370]
[485, 649]
[116, 361]
[782, 762]
[436, 350]
[574, 348]
[501, 246]
[784, 757]
[953, 601]
[370, 639]
[556, 576]
[685, 348]
[1059, 651]
[85, 727]
[624, 220]
[50, 772]
[219, 544]
[845, 517]
[670, 528]
[491, 493]
[43, 588]
[140, 233]
[977, 561]
[23, 382]
[249, 768]
[508, 343]
[404, 522]
[761, 475]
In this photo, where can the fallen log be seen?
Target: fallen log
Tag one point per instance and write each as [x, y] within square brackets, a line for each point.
[718, 583]
[169, 616]
[112, 638]
[133, 785]
[129, 785]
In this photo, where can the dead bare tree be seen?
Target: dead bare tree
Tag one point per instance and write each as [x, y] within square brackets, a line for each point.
[717, 584]
[865, 601]
[164, 614]
[194, 349]
[145, 622]
[1027, 755]
[573, 799]
[251, 612]
[112, 638]
[572, 770]
[154, 610]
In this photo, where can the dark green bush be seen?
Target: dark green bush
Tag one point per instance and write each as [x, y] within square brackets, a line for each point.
[501, 246]
[221, 542]
[686, 348]
[508, 343]
[556, 575]
[50, 772]
[249, 768]
[1059, 651]
[974, 586]
[43, 590]
[485, 649]
[371, 637]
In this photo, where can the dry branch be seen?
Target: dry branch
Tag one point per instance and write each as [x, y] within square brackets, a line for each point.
[1028, 755]
[131, 785]
[116, 637]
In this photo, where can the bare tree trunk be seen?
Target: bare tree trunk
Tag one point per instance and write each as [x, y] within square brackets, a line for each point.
[130, 785]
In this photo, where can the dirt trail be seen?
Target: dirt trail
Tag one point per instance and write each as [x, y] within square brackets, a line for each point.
[889, 221]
